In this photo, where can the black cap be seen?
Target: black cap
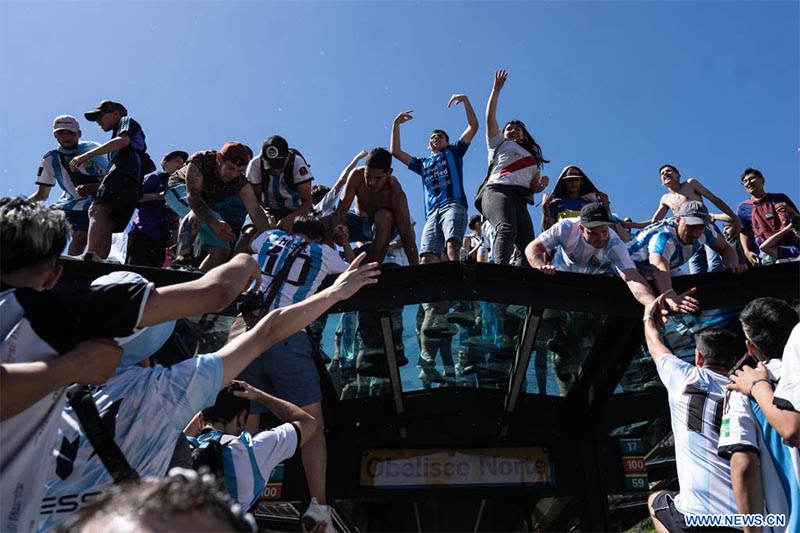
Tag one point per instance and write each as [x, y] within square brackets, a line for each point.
[595, 214]
[274, 152]
[177, 153]
[106, 106]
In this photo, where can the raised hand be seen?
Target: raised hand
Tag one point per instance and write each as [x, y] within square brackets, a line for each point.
[682, 303]
[657, 310]
[356, 276]
[457, 99]
[404, 116]
[500, 78]
[248, 391]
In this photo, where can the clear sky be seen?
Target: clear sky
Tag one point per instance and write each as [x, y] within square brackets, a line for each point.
[618, 88]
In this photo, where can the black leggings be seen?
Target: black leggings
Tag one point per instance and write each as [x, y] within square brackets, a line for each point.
[507, 211]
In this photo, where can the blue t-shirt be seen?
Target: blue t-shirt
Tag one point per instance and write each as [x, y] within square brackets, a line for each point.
[442, 176]
[128, 160]
[562, 208]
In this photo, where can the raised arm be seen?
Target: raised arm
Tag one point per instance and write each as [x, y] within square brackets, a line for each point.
[714, 199]
[284, 321]
[394, 146]
[472, 120]
[492, 128]
[654, 314]
[283, 410]
[211, 293]
[347, 170]
[350, 187]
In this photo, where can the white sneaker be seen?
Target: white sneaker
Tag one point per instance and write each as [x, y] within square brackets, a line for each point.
[315, 514]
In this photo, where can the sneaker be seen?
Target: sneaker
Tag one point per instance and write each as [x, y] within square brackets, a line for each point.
[430, 373]
[439, 328]
[315, 514]
[91, 256]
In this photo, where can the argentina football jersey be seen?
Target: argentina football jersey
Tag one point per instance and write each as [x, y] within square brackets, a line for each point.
[696, 400]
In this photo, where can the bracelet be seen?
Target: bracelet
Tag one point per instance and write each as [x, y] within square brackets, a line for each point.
[755, 382]
[648, 317]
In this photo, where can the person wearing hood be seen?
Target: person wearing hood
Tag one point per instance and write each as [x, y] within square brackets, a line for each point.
[572, 191]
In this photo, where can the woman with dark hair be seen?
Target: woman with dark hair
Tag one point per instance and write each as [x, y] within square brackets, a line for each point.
[515, 161]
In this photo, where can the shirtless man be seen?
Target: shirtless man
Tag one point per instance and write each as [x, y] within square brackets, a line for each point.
[690, 190]
[381, 208]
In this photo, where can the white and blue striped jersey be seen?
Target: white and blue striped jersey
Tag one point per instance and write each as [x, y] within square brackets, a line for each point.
[52, 170]
[248, 460]
[309, 268]
[696, 398]
[145, 410]
[573, 254]
[40, 326]
[662, 238]
[745, 429]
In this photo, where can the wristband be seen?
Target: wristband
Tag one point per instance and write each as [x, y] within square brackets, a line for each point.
[757, 381]
[648, 317]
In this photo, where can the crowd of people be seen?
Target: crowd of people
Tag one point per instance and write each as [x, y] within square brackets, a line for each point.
[255, 225]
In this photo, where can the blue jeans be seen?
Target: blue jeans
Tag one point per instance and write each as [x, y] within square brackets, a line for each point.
[443, 224]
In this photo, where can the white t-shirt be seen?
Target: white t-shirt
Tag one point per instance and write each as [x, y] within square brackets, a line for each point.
[574, 254]
[513, 164]
[146, 409]
[276, 193]
[695, 402]
[745, 428]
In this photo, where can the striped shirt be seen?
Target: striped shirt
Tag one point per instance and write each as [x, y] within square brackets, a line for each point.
[54, 169]
[248, 460]
[695, 402]
[512, 164]
[146, 409]
[276, 193]
[662, 238]
[312, 264]
[442, 176]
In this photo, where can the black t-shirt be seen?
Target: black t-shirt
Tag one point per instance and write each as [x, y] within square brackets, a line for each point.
[64, 318]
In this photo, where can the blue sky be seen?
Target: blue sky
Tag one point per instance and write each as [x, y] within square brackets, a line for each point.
[618, 88]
